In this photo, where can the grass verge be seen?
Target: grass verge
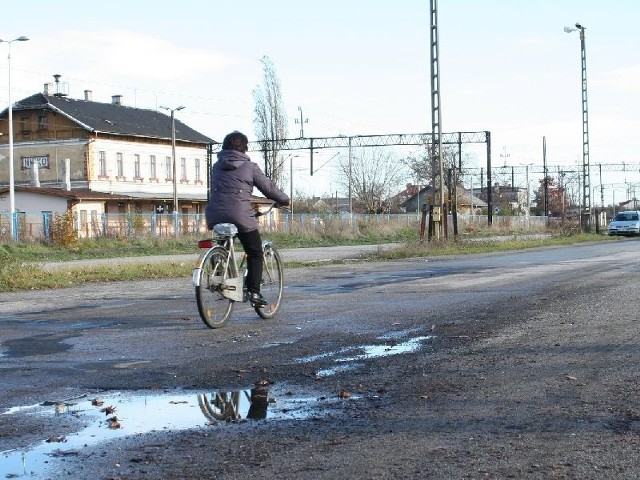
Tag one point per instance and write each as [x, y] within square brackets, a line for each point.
[18, 274]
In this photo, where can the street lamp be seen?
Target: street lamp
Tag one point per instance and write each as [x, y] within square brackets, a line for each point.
[12, 193]
[173, 162]
[586, 170]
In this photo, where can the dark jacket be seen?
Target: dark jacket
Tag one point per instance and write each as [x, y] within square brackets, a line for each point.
[233, 177]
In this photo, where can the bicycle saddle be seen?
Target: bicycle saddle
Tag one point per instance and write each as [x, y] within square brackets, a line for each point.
[225, 230]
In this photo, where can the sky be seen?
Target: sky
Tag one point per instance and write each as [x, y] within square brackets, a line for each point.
[352, 67]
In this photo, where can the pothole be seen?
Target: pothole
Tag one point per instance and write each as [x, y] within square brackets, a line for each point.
[123, 414]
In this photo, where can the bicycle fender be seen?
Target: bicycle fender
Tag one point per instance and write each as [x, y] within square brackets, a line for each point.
[198, 268]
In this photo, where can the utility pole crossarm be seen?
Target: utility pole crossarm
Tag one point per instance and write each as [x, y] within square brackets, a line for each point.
[370, 140]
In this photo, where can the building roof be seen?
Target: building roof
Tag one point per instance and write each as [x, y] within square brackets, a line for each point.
[112, 118]
[190, 196]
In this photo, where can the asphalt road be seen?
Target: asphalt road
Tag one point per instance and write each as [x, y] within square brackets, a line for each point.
[517, 365]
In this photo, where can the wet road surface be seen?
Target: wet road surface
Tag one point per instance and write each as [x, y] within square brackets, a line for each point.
[474, 337]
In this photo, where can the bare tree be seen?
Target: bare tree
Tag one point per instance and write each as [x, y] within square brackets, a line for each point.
[375, 176]
[270, 122]
[422, 165]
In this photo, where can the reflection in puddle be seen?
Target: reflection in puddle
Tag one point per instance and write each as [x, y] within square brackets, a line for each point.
[348, 358]
[123, 414]
[236, 405]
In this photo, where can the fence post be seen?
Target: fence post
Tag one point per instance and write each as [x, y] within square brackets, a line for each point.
[14, 221]
[154, 219]
[46, 225]
[104, 222]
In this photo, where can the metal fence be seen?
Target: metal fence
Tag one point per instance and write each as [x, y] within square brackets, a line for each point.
[39, 227]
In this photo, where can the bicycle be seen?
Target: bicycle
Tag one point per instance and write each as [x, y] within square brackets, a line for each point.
[220, 281]
[233, 405]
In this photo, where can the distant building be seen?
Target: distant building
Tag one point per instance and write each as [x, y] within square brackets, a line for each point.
[508, 199]
[416, 197]
[119, 156]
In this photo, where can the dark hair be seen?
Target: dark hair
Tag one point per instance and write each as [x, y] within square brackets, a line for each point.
[236, 141]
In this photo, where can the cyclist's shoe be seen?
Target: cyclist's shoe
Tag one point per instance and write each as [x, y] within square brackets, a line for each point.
[257, 300]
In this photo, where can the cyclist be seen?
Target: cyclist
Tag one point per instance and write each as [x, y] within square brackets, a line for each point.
[233, 177]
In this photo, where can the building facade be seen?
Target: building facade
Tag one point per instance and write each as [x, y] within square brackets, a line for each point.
[122, 156]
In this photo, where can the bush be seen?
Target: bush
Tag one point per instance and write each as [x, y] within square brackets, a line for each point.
[63, 232]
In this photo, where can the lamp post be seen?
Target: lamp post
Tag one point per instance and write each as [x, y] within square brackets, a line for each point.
[291, 157]
[12, 193]
[586, 169]
[173, 164]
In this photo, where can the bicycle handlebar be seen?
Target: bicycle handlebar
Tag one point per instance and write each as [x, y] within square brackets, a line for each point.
[271, 207]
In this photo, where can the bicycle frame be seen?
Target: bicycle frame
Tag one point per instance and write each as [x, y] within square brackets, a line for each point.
[232, 283]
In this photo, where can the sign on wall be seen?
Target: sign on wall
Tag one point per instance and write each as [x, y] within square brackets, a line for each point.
[42, 161]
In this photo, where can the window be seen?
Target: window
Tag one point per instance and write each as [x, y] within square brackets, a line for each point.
[168, 170]
[25, 124]
[119, 165]
[43, 122]
[102, 163]
[95, 224]
[197, 169]
[183, 169]
[84, 225]
[626, 216]
[136, 166]
[152, 167]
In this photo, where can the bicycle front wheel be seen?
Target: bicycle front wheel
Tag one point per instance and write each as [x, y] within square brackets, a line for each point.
[272, 282]
[214, 308]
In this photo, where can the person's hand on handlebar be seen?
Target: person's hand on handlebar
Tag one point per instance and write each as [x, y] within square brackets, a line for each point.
[283, 204]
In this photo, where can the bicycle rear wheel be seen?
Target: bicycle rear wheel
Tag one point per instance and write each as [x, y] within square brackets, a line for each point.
[272, 282]
[214, 308]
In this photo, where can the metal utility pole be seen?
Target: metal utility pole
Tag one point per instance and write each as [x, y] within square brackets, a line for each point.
[173, 165]
[436, 122]
[586, 168]
[601, 187]
[12, 194]
[350, 188]
[546, 178]
[505, 155]
[302, 121]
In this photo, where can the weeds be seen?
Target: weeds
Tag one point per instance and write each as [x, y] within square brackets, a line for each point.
[20, 270]
[14, 273]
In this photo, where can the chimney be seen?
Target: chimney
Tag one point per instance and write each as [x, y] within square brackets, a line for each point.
[88, 95]
[46, 89]
[35, 178]
[116, 99]
[67, 174]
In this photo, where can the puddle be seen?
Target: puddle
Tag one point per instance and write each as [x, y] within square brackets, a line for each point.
[347, 358]
[122, 414]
